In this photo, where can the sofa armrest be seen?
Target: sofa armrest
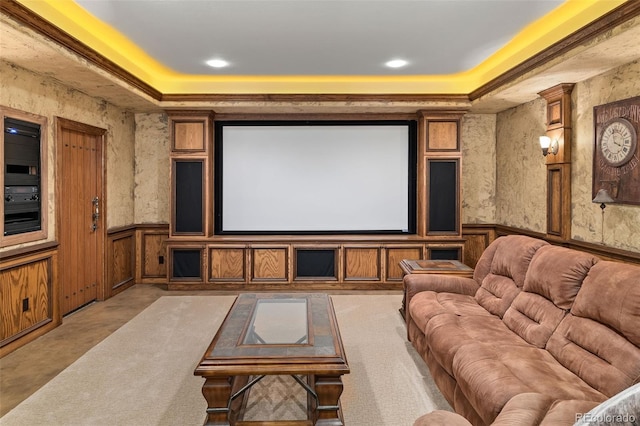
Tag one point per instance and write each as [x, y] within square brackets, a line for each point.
[532, 409]
[441, 283]
[416, 283]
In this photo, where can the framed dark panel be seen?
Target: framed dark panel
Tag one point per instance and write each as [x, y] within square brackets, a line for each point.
[187, 263]
[315, 263]
[444, 254]
[188, 197]
[443, 196]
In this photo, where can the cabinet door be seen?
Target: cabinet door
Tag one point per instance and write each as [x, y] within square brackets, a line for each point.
[227, 264]
[362, 263]
[443, 204]
[188, 197]
[186, 263]
[397, 254]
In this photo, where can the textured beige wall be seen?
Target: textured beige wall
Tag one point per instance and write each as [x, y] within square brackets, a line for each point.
[153, 186]
[520, 167]
[479, 168]
[622, 221]
[521, 170]
[26, 91]
[152, 169]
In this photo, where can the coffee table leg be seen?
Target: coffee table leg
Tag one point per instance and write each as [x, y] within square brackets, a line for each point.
[328, 389]
[217, 392]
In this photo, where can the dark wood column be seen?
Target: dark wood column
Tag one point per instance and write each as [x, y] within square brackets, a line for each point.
[559, 161]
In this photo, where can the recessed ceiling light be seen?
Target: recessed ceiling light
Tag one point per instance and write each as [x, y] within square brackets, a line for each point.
[217, 63]
[396, 63]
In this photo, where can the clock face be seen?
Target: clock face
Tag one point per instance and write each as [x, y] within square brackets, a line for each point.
[618, 142]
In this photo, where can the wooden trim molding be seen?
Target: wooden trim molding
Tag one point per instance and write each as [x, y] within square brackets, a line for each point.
[17, 252]
[599, 250]
[313, 98]
[623, 13]
[626, 11]
[33, 21]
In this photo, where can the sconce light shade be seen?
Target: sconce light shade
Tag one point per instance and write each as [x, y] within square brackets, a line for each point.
[546, 143]
[603, 197]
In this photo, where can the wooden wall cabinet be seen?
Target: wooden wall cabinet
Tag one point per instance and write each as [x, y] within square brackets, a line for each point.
[191, 135]
[236, 263]
[439, 187]
[29, 295]
[198, 258]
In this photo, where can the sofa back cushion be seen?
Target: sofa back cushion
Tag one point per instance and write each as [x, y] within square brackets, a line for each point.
[550, 288]
[501, 271]
[599, 340]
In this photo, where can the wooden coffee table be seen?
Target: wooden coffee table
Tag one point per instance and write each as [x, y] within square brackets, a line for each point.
[275, 334]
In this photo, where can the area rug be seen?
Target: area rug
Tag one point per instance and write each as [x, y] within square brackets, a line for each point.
[143, 373]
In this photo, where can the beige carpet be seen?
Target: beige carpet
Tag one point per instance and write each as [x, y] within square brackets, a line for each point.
[143, 373]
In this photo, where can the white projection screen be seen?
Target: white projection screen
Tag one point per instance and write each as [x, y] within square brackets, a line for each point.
[315, 177]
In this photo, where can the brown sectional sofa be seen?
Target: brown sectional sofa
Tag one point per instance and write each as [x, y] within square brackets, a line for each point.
[539, 334]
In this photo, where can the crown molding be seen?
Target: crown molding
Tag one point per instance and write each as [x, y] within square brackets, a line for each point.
[18, 12]
[607, 22]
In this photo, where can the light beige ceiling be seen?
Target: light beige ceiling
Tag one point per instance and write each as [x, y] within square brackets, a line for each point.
[28, 49]
[320, 37]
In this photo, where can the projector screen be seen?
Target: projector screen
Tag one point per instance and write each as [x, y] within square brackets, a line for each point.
[315, 177]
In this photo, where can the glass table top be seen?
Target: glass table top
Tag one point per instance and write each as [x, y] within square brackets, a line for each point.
[271, 327]
[278, 322]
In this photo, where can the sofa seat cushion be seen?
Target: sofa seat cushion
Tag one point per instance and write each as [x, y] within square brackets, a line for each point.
[603, 358]
[491, 374]
[427, 304]
[445, 334]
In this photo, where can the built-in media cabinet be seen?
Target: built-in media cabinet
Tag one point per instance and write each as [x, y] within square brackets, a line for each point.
[214, 243]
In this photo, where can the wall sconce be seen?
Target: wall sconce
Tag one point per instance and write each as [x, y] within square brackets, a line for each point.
[602, 197]
[548, 145]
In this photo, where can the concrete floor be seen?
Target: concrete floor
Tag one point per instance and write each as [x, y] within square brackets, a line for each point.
[27, 369]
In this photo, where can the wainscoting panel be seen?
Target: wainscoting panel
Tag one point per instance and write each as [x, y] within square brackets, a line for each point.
[477, 238]
[29, 296]
[121, 258]
[151, 254]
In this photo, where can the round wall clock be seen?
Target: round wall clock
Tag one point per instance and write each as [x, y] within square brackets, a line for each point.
[618, 142]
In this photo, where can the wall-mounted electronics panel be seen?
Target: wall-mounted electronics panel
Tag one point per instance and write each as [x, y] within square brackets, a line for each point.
[22, 176]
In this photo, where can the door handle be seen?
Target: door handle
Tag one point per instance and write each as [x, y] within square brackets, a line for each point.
[96, 213]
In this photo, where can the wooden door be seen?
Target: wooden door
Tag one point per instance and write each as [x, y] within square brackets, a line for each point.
[80, 213]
